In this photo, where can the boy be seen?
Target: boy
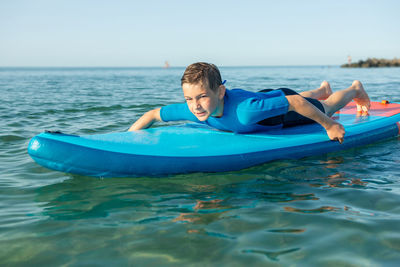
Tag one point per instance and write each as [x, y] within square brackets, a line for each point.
[208, 101]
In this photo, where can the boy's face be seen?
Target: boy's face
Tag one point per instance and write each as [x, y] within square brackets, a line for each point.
[202, 101]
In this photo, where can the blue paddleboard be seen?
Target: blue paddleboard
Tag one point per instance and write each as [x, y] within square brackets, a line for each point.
[197, 148]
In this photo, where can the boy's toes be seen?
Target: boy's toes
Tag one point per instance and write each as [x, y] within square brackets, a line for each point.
[362, 109]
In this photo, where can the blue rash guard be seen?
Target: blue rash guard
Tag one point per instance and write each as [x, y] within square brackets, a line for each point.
[242, 111]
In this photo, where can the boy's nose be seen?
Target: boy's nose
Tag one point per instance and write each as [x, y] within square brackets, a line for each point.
[197, 104]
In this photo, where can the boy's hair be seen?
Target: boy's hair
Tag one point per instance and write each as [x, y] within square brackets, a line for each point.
[204, 73]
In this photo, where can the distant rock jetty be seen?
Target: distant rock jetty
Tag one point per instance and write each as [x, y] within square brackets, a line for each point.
[373, 63]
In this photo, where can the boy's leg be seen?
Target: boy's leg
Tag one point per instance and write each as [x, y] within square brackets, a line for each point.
[321, 93]
[341, 98]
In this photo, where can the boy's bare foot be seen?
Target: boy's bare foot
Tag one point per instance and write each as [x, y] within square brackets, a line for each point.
[321, 93]
[361, 98]
[325, 90]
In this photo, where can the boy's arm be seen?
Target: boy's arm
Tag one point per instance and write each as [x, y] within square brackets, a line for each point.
[334, 129]
[146, 120]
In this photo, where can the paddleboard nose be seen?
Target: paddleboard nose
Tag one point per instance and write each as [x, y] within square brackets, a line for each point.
[33, 146]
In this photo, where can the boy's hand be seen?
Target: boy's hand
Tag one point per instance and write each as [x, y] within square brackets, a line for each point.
[146, 120]
[336, 132]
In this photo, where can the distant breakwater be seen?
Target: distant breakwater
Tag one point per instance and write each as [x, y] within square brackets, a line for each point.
[373, 63]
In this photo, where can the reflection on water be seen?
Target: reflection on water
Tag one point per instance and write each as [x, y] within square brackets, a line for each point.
[204, 212]
[272, 255]
[272, 215]
[317, 210]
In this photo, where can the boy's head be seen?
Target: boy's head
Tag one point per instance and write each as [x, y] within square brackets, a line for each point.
[203, 90]
[202, 73]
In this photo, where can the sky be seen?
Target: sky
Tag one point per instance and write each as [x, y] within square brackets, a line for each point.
[122, 33]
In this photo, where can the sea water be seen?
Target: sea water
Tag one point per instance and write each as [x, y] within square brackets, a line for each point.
[339, 209]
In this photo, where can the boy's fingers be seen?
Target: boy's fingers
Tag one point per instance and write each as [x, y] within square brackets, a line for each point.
[339, 139]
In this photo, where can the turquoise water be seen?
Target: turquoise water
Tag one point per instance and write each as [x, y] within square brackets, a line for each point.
[340, 209]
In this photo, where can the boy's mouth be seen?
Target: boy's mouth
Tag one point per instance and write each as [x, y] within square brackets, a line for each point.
[201, 114]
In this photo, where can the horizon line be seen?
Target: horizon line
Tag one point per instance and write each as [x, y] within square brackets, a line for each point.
[171, 67]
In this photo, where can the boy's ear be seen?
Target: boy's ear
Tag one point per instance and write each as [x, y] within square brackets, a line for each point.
[221, 92]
